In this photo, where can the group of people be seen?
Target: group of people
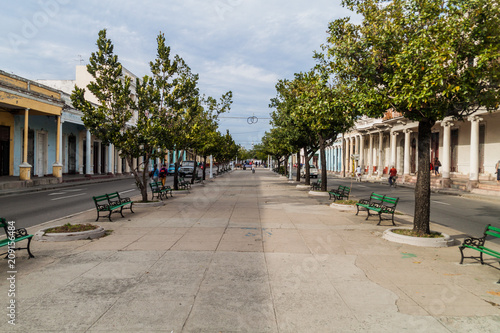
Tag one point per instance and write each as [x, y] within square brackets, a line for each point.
[393, 172]
[160, 174]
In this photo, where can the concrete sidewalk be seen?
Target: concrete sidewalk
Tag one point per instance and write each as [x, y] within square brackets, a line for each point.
[248, 253]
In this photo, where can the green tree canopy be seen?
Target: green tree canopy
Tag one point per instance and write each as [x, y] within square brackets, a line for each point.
[427, 59]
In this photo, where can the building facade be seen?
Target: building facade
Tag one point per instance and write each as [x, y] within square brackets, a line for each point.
[30, 118]
[467, 150]
[56, 142]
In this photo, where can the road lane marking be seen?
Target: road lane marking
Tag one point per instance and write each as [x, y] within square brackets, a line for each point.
[442, 203]
[56, 193]
[127, 191]
[69, 196]
[75, 190]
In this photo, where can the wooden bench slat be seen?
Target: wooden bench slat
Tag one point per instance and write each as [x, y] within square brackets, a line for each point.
[378, 203]
[113, 202]
[494, 229]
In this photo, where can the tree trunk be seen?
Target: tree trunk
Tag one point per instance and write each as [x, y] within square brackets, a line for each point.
[297, 178]
[195, 169]
[423, 187]
[204, 166]
[140, 179]
[322, 154]
[307, 175]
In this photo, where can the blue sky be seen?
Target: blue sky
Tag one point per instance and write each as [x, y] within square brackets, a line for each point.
[244, 46]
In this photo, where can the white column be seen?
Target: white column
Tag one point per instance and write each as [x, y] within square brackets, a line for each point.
[211, 168]
[380, 166]
[60, 137]
[119, 164]
[141, 163]
[351, 152]
[370, 155]
[89, 170]
[356, 151]
[111, 160]
[290, 162]
[407, 152]
[474, 148]
[361, 153]
[446, 153]
[393, 149]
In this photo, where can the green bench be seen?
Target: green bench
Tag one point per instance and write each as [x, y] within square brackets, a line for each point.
[184, 183]
[340, 193]
[14, 235]
[316, 186]
[477, 244]
[111, 203]
[380, 204]
[160, 190]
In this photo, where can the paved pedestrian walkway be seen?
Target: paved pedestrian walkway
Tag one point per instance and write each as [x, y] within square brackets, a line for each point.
[248, 253]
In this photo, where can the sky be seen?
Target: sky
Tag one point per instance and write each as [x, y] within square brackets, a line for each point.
[243, 46]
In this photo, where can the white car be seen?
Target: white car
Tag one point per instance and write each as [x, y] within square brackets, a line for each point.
[313, 172]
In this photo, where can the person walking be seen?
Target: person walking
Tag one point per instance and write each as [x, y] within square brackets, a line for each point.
[155, 173]
[497, 166]
[437, 164]
[358, 173]
[393, 176]
[163, 174]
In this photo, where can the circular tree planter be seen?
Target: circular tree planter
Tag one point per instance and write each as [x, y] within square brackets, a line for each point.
[43, 236]
[343, 208]
[319, 193]
[444, 241]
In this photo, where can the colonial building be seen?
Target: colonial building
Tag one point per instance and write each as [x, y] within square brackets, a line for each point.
[56, 141]
[468, 150]
[30, 128]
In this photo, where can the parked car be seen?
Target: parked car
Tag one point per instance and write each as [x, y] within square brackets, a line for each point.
[186, 168]
[171, 169]
[313, 172]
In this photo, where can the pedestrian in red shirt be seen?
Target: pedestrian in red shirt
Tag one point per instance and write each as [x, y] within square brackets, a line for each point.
[393, 175]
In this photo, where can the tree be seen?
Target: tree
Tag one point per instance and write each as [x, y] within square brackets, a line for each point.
[117, 119]
[427, 59]
[277, 146]
[293, 128]
[311, 111]
[322, 108]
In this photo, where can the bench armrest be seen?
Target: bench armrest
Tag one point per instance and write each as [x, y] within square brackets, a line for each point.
[125, 199]
[20, 232]
[388, 209]
[102, 207]
[472, 241]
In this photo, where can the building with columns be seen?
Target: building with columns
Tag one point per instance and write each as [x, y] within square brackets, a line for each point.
[30, 128]
[57, 141]
[468, 150]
